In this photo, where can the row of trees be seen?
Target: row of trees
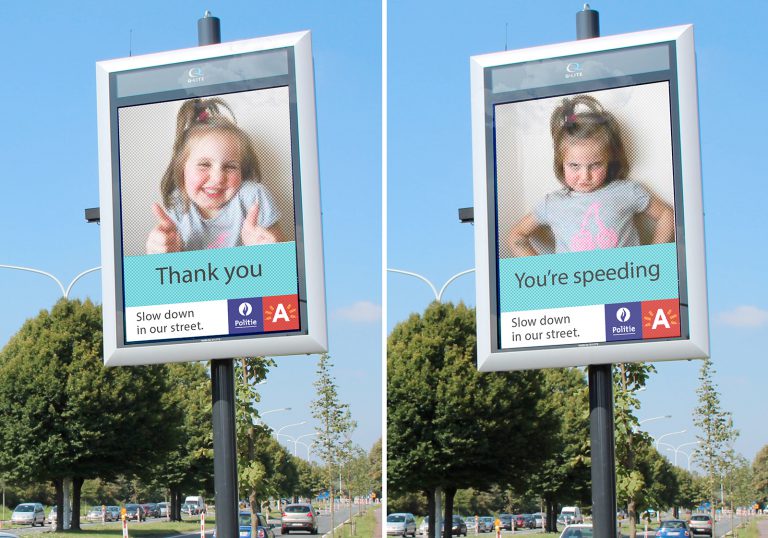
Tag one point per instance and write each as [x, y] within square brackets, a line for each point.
[64, 418]
[521, 439]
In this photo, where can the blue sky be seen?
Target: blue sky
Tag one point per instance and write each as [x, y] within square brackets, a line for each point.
[430, 173]
[50, 174]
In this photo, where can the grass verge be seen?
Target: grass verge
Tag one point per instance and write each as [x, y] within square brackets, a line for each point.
[136, 530]
[364, 525]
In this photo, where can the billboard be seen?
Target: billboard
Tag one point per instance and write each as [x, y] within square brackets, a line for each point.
[588, 206]
[210, 213]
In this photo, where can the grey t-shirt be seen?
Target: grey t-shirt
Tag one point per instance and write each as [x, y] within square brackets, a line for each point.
[223, 230]
[599, 219]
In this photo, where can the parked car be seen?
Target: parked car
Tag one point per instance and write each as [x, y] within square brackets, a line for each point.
[458, 527]
[424, 526]
[263, 530]
[571, 515]
[506, 521]
[28, 514]
[486, 523]
[190, 509]
[94, 514]
[163, 509]
[150, 509]
[299, 516]
[134, 512]
[113, 513]
[52, 515]
[676, 528]
[401, 524]
[538, 520]
[700, 524]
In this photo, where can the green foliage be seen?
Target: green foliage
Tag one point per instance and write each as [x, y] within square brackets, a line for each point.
[691, 489]
[309, 479]
[565, 476]
[717, 431]
[760, 473]
[189, 464]
[332, 444]
[450, 426]
[63, 414]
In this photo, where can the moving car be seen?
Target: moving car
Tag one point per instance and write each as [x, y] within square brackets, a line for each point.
[299, 517]
[700, 524]
[579, 530]
[28, 514]
[673, 528]
[401, 524]
[263, 530]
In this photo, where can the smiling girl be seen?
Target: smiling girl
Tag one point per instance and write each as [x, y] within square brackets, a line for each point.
[212, 196]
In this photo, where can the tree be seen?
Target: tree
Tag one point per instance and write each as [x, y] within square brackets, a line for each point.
[717, 432]
[336, 424]
[631, 483]
[189, 464]
[434, 392]
[564, 477]
[760, 473]
[63, 414]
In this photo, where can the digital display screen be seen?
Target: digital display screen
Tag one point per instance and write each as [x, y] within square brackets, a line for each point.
[587, 250]
[208, 217]
[213, 192]
[586, 218]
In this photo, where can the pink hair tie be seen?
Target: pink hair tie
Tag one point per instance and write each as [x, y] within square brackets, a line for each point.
[203, 116]
[570, 118]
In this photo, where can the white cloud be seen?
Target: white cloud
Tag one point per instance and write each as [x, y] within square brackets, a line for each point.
[745, 316]
[360, 312]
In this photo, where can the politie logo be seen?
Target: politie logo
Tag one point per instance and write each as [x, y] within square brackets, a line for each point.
[245, 316]
[623, 322]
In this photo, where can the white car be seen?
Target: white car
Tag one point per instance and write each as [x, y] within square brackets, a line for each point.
[28, 514]
[401, 524]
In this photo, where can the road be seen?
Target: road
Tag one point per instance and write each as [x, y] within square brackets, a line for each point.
[323, 525]
[722, 527]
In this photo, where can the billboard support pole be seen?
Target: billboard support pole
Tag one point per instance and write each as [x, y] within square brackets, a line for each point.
[601, 426]
[222, 386]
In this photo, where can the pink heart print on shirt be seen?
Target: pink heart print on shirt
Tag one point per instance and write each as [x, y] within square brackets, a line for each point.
[220, 241]
[584, 240]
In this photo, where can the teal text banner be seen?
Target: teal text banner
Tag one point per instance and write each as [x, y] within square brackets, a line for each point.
[211, 275]
[618, 275]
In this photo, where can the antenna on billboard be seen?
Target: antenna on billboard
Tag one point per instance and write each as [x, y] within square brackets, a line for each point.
[130, 42]
[506, 34]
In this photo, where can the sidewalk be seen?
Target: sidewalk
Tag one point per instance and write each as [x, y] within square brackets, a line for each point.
[762, 527]
[377, 528]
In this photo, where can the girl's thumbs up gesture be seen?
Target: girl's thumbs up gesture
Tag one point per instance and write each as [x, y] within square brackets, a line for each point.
[252, 233]
[165, 236]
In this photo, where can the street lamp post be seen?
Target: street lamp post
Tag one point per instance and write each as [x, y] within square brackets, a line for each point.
[677, 448]
[653, 418]
[296, 442]
[290, 426]
[658, 440]
[438, 298]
